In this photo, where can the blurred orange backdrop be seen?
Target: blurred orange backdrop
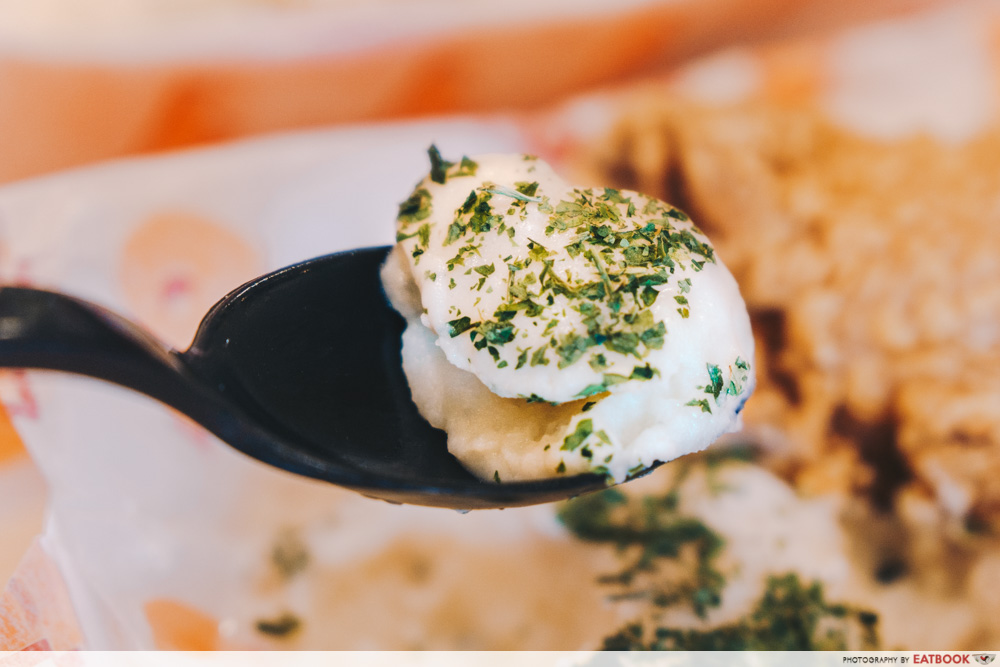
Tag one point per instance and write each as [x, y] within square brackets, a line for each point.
[59, 111]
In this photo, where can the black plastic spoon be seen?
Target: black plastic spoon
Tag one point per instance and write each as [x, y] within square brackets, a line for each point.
[300, 369]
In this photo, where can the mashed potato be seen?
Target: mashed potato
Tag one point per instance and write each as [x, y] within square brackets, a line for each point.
[558, 330]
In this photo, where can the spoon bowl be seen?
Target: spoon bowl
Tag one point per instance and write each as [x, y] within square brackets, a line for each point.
[300, 368]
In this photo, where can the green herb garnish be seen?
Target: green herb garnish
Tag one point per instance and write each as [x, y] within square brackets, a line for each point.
[715, 375]
[416, 208]
[583, 430]
[700, 403]
[459, 326]
[442, 170]
[790, 616]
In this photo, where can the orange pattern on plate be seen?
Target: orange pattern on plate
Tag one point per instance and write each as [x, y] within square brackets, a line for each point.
[11, 446]
[176, 265]
[180, 627]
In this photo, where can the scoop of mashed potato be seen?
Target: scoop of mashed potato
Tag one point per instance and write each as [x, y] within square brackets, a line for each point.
[556, 330]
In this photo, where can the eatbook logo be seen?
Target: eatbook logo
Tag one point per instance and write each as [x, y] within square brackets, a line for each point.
[984, 658]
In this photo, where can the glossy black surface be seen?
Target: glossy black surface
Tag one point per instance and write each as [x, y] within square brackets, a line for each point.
[300, 368]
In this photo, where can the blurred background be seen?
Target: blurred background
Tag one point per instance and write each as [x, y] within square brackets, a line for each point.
[636, 94]
[83, 83]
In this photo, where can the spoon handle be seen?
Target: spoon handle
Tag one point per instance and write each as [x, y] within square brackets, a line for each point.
[46, 330]
[51, 331]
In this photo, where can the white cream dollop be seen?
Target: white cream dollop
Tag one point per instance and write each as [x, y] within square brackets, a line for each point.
[556, 330]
